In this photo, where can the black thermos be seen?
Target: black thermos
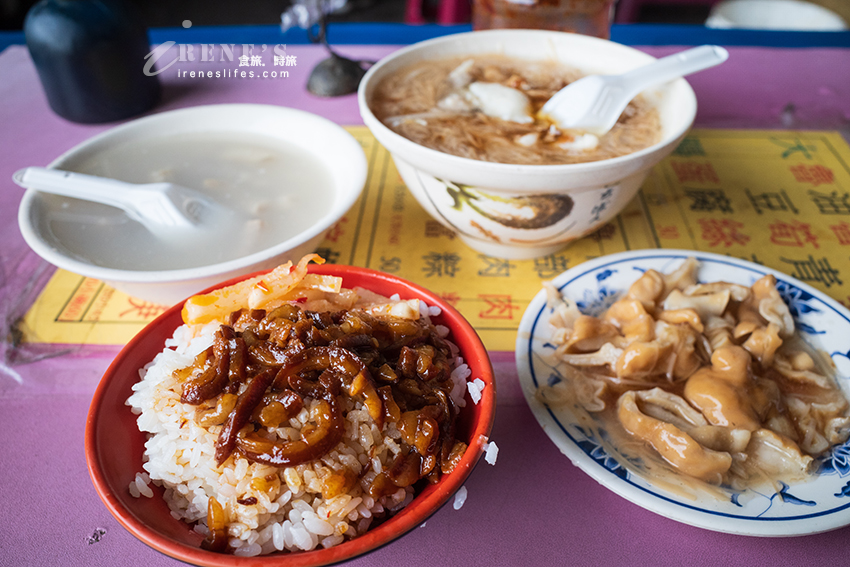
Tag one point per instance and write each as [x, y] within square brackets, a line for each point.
[90, 57]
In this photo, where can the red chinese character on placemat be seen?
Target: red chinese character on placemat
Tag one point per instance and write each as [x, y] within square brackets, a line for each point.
[142, 309]
[792, 234]
[336, 230]
[842, 232]
[498, 307]
[814, 174]
[670, 232]
[690, 172]
[724, 232]
[450, 297]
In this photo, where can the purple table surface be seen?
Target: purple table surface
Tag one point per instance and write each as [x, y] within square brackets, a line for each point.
[532, 508]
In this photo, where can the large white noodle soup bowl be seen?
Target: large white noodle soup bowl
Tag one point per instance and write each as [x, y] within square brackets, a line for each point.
[552, 204]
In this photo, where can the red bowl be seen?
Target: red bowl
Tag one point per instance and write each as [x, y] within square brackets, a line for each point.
[114, 444]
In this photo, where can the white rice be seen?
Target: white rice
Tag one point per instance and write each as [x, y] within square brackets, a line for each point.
[460, 375]
[475, 388]
[290, 512]
[460, 498]
[491, 452]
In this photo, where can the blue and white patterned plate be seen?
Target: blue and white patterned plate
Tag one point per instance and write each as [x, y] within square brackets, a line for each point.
[817, 505]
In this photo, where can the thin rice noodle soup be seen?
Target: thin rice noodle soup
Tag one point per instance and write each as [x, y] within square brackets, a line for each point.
[486, 108]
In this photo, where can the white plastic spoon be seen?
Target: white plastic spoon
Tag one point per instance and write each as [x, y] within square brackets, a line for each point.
[594, 103]
[155, 205]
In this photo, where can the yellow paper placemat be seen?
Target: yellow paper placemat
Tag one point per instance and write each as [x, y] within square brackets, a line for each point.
[779, 198]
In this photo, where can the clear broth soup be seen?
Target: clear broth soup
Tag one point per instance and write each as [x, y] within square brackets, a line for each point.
[280, 189]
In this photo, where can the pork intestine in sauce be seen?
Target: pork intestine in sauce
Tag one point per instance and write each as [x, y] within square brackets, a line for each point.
[712, 378]
[426, 103]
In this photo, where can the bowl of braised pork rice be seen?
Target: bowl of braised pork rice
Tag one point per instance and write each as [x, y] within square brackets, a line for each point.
[302, 416]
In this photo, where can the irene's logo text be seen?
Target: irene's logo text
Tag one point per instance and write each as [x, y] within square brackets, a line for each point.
[255, 57]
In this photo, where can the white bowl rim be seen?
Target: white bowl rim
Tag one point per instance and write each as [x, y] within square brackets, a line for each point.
[347, 198]
[492, 167]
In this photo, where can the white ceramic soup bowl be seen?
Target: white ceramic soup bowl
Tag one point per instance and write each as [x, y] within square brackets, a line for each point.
[337, 154]
[558, 202]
